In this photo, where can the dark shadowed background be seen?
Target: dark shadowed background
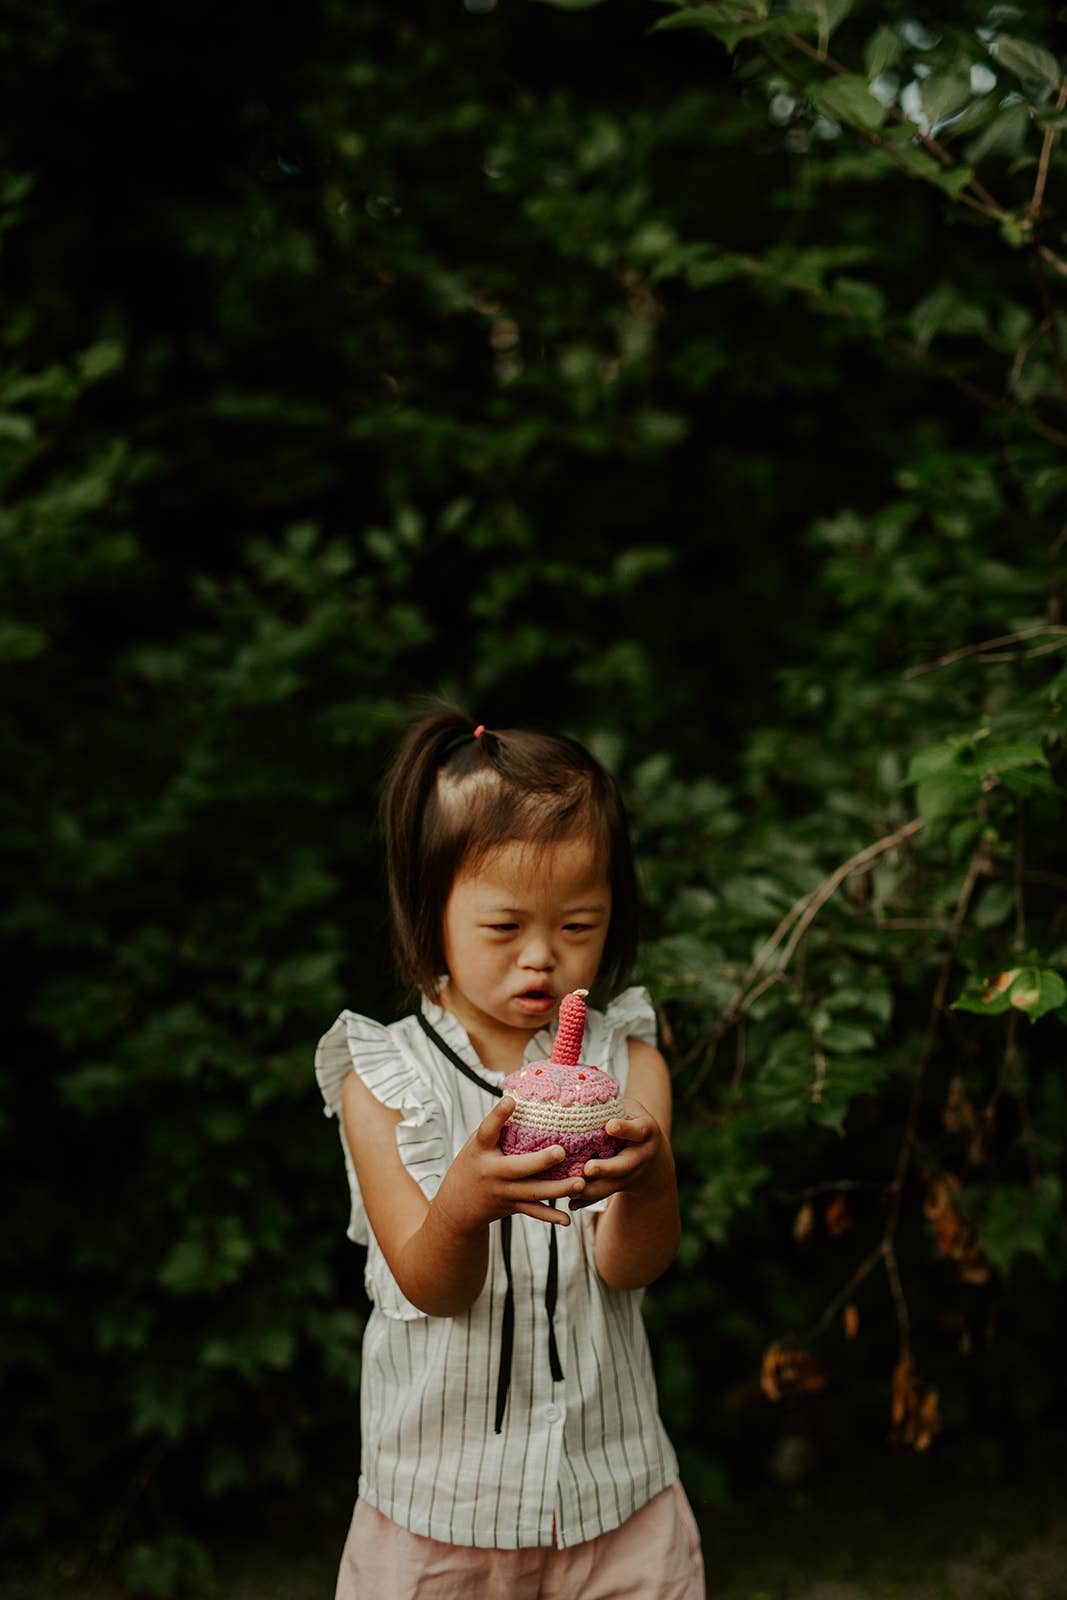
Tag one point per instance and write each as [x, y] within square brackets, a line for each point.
[687, 378]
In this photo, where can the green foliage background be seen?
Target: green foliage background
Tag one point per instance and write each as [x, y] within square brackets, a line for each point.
[641, 371]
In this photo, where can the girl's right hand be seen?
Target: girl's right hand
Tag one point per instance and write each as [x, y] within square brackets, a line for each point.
[483, 1184]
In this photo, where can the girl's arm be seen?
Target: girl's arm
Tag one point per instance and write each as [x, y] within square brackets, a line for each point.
[438, 1250]
[637, 1236]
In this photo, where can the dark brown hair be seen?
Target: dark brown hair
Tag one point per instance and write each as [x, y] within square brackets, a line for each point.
[510, 784]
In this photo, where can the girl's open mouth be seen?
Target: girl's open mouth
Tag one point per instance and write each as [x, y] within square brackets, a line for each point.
[535, 1000]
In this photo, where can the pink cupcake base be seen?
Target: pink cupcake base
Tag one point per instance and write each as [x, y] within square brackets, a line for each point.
[580, 1147]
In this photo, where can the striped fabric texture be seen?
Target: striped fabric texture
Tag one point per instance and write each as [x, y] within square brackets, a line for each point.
[586, 1451]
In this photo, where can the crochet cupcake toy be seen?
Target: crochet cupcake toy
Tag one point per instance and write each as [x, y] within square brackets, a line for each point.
[563, 1100]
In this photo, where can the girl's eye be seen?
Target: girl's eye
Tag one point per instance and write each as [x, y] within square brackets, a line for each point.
[509, 927]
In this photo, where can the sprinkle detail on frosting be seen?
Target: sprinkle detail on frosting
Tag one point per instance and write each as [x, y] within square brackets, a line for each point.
[551, 1083]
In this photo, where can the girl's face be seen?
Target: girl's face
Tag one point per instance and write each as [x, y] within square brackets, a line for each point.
[520, 932]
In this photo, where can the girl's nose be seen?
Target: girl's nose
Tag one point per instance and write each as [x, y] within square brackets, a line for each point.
[538, 956]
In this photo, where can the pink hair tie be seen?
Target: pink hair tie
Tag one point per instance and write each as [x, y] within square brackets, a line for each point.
[479, 730]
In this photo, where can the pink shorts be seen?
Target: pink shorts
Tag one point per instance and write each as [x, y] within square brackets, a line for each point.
[653, 1555]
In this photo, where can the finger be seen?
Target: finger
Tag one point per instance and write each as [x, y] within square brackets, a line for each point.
[489, 1129]
[612, 1168]
[531, 1161]
[551, 1191]
[544, 1213]
[594, 1190]
[633, 1128]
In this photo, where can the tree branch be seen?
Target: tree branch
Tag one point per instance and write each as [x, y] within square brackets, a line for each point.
[803, 911]
[985, 202]
[983, 644]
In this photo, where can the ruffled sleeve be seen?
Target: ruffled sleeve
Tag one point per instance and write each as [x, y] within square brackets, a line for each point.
[359, 1044]
[631, 1015]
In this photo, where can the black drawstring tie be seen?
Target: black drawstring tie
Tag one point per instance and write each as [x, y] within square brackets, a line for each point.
[507, 1331]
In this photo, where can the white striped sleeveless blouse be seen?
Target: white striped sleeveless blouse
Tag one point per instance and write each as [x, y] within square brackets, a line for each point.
[585, 1451]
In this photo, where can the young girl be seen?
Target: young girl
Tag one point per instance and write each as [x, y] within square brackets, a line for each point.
[511, 1441]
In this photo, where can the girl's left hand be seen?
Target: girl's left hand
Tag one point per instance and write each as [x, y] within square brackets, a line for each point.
[640, 1164]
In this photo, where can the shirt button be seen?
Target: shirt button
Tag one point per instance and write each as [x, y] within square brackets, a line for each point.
[552, 1413]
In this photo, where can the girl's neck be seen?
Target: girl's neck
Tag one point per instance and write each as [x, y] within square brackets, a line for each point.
[498, 1047]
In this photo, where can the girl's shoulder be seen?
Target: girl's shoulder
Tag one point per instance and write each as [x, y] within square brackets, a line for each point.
[383, 1055]
[379, 1054]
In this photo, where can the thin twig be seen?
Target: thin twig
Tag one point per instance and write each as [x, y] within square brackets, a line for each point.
[994, 402]
[1055, 262]
[107, 1543]
[983, 644]
[1049, 321]
[831, 1186]
[817, 900]
[1027, 655]
[896, 1289]
[843, 1295]
[1033, 205]
[938, 926]
[1038, 258]
[979, 865]
[1019, 358]
[1020, 905]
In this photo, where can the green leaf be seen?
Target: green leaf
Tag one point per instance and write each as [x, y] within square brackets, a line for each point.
[1013, 231]
[828, 15]
[638, 562]
[1004, 136]
[1037, 990]
[1024, 780]
[20, 641]
[997, 901]
[939, 758]
[945, 794]
[857, 297]
[1020, 754]
[963, 837]
[989, 998]
[847, 1036]
[943, 93]
[876, 1002]
[943, 309]
[953, 180]
[849, 99]
[1026, 60]
[1014, 1220]
[725, 21]
[881, 50]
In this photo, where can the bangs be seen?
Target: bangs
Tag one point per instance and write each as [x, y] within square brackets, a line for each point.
[478, 814]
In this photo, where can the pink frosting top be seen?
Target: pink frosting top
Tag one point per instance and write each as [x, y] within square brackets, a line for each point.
[568, 1086]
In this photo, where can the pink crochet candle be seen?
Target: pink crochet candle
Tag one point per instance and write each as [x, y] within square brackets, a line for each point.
[563, 1100]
